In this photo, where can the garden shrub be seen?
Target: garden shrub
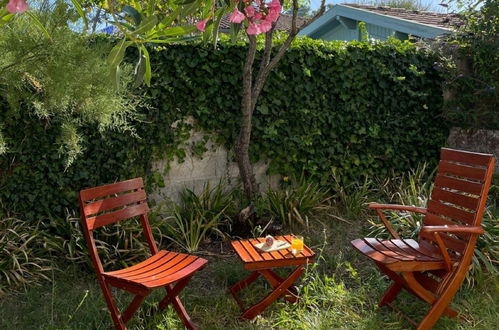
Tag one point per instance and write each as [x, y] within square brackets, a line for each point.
[472, 56]
[347, 110]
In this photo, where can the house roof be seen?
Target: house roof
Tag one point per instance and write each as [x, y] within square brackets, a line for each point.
[424, 17]
[417, 23]
[283, 23]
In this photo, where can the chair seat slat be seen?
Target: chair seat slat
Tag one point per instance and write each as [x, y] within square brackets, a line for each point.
[162, 270]
[146, 266]
[140, 265]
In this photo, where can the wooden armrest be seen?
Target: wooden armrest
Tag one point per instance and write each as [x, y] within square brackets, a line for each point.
[409, 208]
[453, 229]
[378, 207]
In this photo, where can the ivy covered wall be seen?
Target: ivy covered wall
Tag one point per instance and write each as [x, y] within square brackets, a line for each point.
[329, 108]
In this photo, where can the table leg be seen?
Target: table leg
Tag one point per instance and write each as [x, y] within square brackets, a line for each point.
[281, 289]
[241, 285]
[275, 280]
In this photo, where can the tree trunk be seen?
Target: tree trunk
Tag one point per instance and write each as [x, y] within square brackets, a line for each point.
[251, 92]
[243, 140]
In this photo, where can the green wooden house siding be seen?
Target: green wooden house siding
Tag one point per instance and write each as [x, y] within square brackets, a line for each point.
[341, 23]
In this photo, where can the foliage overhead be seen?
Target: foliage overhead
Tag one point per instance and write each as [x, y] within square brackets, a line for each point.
[61, 79]
[473, 57]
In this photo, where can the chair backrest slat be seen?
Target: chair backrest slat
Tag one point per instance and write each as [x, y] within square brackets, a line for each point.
[465, 186]
[464, 171]
[466, 157]
[111, 189]
[105, 205]
[115, 216]
[451, 242]
[459, 194]
[464, 201]
[451, 212]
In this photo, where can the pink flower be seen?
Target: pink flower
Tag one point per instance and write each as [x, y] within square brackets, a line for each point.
[275, 4]
[16, 6]
[253, 29]
[274, 10]
[201, 25]
[265, 26]
[250, 11]
[258, 16]
[273, 15]
[236, 16]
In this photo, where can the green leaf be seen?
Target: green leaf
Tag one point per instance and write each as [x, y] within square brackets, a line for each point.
[147, 61]
[80, 11]
[146, 25]
[117, 53]
[39, 24]
[133, 13]
[140, 69]
[114, 60]
[177, 31]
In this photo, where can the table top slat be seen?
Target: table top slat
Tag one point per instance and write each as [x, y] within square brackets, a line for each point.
[265, 255]
[254, 259]
[241, 251]
[275, 254]
[251, 250]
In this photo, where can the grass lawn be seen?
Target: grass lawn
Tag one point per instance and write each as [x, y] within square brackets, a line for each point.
[341, 291]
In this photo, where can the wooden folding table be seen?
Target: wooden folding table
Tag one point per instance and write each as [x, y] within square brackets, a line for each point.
[262, 263]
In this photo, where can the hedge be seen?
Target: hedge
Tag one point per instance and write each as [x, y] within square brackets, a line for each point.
[330, 108]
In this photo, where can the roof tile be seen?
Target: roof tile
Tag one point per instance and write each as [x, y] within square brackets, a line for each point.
[424, 17]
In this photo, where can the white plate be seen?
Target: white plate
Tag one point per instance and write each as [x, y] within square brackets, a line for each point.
[277, 245]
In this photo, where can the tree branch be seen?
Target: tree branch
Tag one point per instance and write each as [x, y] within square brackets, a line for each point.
[263, 74]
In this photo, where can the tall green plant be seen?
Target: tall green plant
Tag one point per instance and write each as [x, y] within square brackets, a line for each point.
[293, 205]
[198, 215]
[23, 261]
[62, 79]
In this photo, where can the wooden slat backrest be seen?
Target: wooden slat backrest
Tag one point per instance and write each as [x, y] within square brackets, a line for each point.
[460, 193]
[111, 203]
[108, 204]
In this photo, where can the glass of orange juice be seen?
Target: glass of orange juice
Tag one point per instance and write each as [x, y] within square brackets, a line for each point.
[297, 245]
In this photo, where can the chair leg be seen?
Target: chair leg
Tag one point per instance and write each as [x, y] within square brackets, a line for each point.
[132, 308]
[182, 313]
[172, 298]
[390, 294]
[111, 305]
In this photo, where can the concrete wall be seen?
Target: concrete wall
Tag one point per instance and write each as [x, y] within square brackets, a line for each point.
[485, 141]
[195, 172]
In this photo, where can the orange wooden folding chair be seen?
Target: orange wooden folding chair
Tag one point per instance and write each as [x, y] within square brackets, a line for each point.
[434, 267]
[111, 203]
